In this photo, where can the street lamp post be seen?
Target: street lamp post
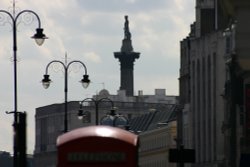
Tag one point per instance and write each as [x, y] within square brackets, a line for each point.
[96, 102]
[111, 117]
[39, 38]
[46, 82]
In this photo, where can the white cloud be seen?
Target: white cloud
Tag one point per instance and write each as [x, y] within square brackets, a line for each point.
[93, 57]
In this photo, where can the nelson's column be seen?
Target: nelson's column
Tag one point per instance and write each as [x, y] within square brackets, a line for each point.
[127, 57]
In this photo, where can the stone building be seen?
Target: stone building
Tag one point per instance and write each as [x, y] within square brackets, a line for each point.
[213, 78]
[157, 134]
[155, 145]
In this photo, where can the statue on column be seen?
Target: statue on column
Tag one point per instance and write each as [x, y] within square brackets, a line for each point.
[127, 34]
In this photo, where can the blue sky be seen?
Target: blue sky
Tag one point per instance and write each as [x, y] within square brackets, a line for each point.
[89, 31]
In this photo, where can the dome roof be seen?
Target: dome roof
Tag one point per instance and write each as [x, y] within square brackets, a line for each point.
[104, 92]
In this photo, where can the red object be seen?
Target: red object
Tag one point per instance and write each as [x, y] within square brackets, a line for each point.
[101, 146]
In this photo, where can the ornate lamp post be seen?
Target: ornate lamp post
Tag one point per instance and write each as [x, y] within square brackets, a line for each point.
[96, 102]
[85, 82]
[111, 119]
[39, 38]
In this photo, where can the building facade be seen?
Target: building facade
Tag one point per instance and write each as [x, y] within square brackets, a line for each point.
[49, 119]
[155, 145]
[157, 134]
[214, 79]
[202, 79]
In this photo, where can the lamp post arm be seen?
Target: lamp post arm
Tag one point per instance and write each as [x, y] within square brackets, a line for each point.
[107, 99]
[77, 61]
[96, 102]
[87, 99]
[29, 11]
[55, 61]
[9, 14]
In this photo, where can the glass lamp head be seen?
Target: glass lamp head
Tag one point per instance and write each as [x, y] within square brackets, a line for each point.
[80, 114]
[46, 81]
[39, 36]
[85, 81]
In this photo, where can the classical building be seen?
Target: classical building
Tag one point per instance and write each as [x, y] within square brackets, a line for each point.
[214, 79]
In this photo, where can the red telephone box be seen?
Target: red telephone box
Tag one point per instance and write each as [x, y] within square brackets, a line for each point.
[101, 146]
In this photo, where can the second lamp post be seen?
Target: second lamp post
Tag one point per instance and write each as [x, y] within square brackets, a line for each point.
[46, 82]
[111, 119]
[96, 102]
